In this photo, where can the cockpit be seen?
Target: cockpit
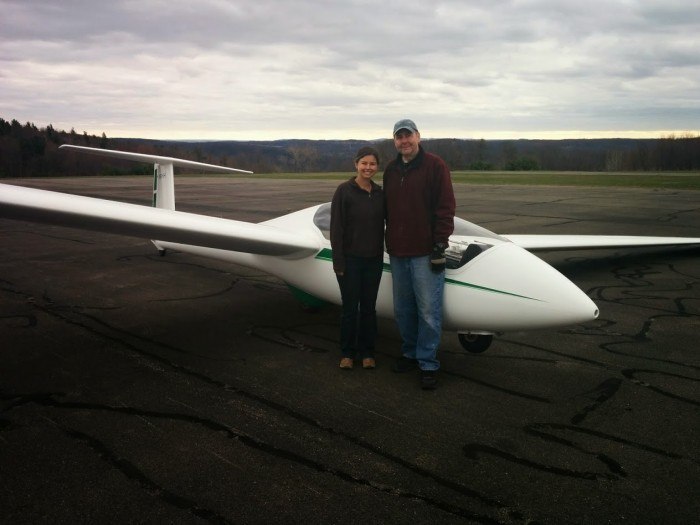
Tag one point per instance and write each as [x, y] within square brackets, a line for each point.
[459, 252]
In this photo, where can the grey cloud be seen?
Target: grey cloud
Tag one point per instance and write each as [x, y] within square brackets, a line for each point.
[447, 60]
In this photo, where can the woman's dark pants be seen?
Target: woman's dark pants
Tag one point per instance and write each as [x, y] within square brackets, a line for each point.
[358, 290]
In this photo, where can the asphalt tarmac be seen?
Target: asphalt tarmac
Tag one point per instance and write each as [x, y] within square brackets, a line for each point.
[143, 389]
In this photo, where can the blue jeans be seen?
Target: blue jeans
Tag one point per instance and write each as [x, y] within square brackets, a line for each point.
[418, 295]
[358, 322]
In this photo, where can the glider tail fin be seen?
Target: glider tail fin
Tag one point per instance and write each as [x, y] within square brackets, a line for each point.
[163, 186]
[163, 170]
[163, 192]
[163, 173]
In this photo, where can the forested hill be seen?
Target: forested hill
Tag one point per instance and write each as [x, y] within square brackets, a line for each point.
[30, 151]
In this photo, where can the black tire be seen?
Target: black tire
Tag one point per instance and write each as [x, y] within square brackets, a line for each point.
[475, 343]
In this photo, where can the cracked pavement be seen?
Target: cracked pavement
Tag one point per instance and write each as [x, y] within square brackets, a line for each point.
[137, 388]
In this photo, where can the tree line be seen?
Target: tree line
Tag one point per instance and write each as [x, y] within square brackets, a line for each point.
[29, 151]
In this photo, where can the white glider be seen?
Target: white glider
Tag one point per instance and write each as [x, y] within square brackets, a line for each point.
[514, 289]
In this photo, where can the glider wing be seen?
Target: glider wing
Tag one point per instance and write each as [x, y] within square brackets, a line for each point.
[107, 216]
[580, 242]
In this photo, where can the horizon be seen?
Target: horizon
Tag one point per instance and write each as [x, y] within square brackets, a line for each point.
[268, 137]
[622, 135]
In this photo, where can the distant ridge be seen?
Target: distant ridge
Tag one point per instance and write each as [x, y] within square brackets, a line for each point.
[306, 155]
[29, 151]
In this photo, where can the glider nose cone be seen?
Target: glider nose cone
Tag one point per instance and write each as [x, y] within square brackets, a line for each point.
[577, 305]
[555, 298]
[526, 292]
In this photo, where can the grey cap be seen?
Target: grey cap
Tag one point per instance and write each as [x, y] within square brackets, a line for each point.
[407, 124]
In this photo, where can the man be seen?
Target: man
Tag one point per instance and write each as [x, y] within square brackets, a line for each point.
[420, 208]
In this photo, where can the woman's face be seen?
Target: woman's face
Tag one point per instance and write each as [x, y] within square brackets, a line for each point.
[366, 167]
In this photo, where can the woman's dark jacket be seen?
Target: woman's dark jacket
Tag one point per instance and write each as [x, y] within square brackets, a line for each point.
[357, 222]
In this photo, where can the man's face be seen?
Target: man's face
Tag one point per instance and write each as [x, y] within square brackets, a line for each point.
[406, 143]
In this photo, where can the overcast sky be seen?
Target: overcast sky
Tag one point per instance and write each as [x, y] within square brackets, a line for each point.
[271, 69]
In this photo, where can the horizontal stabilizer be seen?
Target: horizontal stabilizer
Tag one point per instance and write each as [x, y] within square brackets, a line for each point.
[155, 159]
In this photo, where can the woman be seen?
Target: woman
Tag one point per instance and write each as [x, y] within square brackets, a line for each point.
[357, 239]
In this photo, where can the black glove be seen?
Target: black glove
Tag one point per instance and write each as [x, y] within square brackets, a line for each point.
[437, 257]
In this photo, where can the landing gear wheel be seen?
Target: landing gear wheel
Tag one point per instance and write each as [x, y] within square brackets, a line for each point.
[310, 308]
[475, 343]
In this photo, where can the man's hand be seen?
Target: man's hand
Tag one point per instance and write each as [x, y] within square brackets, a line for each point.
[437, 257]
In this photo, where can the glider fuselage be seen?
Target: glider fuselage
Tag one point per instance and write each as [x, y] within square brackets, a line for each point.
[502, 288]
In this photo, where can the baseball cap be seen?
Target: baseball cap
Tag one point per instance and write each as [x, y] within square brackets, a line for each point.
[405, 124]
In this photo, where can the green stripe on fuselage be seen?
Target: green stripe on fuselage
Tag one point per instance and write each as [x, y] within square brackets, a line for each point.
[485, 289]
[327, 255]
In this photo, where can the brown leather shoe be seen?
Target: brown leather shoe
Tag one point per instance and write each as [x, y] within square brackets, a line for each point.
[368, 362]
[346, 363]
